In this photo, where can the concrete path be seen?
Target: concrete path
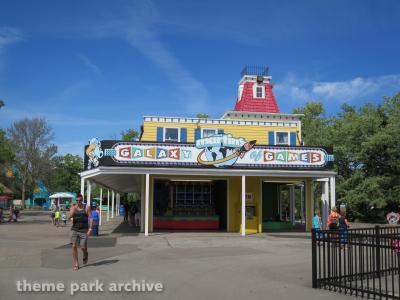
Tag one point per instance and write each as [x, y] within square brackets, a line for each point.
[189, 265]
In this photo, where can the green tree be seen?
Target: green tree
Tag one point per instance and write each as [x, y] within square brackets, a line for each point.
[314, 124]
[202, 116]
[129, 135]
[31, 139]
[65, 173]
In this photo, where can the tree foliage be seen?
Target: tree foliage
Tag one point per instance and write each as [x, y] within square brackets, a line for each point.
[30, 139]
[202, 116]
[64, 176]
[366, 147]
[129, 135]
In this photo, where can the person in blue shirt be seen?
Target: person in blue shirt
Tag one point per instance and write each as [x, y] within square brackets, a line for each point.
[95, 216]
[317, 223]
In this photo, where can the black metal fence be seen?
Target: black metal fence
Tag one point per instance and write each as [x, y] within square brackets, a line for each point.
[361, 262]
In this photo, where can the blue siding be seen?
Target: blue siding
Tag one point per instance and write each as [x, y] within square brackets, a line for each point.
[183, 135]
[293, 138]
[271, 138]
[220, 131]
[197, 134]
[160, 134]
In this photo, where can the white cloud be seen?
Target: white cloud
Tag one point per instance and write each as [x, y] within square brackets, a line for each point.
[295, 89]
[88, 63]
[8, 36]
[139, 28]
[57, 119]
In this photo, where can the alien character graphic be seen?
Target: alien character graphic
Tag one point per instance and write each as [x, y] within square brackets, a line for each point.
[94, 153]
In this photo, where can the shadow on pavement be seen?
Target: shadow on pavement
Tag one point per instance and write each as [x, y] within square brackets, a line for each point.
[125, 229]
[103, 262]
[95, 242]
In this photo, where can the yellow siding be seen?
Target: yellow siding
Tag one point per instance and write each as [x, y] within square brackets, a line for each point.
[248, 132]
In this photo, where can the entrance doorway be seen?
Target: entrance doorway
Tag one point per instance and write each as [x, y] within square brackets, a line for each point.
[283, 206]
[190, 204]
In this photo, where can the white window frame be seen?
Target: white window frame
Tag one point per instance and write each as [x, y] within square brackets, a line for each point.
[202, 131]
[255, 91]
[165, 131]
[276, 140]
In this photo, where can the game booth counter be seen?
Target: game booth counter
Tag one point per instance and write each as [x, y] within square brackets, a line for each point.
[247, 171]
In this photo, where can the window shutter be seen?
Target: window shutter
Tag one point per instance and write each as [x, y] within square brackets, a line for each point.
[197, 134]
[183, 135]
[220, 131]
[271, 138]
[160, 134]
[293, 138]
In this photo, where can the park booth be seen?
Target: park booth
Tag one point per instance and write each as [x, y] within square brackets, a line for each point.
[64, 199]
[246, 171]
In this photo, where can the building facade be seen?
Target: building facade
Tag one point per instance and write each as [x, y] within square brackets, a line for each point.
[246, 171]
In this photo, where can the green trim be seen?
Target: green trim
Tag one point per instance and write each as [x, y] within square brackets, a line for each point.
[276, 226]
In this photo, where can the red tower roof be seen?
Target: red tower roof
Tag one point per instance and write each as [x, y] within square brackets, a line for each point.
[248, 102]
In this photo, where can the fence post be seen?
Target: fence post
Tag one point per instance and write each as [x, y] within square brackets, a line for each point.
[314, 258]
[378, 251]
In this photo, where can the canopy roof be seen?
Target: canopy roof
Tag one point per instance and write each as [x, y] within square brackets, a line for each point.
[61, 195]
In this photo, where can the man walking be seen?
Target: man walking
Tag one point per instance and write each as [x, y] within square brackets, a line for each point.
[80, 230]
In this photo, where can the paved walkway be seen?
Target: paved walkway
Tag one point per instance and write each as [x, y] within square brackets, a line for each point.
[189, 265]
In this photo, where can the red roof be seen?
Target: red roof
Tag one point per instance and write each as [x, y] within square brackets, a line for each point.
[248, 103]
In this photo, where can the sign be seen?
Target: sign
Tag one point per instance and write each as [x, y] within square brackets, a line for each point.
[220, 151]
[393, 218]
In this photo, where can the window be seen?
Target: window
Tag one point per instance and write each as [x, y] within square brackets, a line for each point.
[282, 138]
[171, 135]
[209, 132]
[258, 91]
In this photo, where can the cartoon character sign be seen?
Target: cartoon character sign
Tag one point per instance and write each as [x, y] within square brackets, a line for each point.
[222, 150]
[94, 153]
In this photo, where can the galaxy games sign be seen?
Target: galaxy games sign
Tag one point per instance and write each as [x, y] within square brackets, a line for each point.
[220, 151]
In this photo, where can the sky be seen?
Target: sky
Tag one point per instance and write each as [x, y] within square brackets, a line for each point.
[95, 68]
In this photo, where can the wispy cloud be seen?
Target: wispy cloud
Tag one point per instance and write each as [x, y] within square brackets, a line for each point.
[57, 119]
[138, 25]
[8, 36]
[296, 89]
[88, 63]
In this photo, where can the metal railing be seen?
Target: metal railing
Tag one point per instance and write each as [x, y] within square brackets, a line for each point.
[255, 70]
[361, 262]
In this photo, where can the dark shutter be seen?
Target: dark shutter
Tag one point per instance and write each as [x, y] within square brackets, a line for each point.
[271, 138]
[293, 138]
[197, 134]
[160, 134]
[183, 135]
[220, 131]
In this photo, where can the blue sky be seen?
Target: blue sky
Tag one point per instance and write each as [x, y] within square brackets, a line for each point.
[94, 68]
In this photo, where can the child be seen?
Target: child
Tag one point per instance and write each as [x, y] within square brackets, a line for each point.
[57, 217]
[317, 223]
[64, 217]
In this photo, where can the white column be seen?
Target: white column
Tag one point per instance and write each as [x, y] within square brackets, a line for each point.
[101, 204]
[142, 193]
[325, 203]
[243, 205]
[292, 204]
[332, 181]
[146, 206]
[83, 187]
[108, 205]
[118, 201]
[302, 204]
[112, 203]
[89, 193]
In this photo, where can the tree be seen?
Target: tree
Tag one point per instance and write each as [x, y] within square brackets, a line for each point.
[202, 116]
[65, 173]
[31, 139]
[314, 124]
[129, 135]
